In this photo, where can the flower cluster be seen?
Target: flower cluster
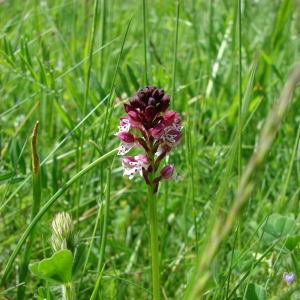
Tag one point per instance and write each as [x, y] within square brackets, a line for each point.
[160, 133]
[63, 236]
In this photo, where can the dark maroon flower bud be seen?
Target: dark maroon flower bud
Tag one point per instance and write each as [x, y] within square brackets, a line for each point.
[150, 113]
[169, 173]
[152, 102]
[155, 93]
[134, 102]
[165, 102]
[142, 95]
[161, 93]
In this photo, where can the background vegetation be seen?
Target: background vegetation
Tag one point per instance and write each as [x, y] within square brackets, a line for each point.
[45, 75]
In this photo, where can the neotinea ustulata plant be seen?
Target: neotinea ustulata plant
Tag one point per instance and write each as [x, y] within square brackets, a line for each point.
[160, 132]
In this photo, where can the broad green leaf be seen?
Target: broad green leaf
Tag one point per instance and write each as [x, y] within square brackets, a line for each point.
[57, 269]
[255, 292]
[80, 256]
[277, 227]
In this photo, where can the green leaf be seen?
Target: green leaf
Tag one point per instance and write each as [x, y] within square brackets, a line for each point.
[80, 256]
[277, 227]
[57, 269]
[255, 292]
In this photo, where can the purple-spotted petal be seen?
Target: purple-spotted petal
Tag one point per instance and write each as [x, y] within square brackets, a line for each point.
[133, 165]
[124, 125]
[172, 137]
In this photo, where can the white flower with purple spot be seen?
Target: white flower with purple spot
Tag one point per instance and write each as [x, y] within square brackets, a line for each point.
[133, 165]
[128, 141]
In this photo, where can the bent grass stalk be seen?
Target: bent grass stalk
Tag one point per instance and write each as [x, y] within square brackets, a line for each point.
[220, 232]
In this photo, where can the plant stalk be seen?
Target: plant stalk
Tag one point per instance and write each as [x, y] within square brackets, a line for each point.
[152, 211]
[68, 291]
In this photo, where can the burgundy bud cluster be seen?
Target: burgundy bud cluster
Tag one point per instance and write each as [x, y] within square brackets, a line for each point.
[160, 133]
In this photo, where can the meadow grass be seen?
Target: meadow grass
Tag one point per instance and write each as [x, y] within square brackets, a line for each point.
[229, 227]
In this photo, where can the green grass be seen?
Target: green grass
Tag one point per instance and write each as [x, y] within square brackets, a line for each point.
[71, 69]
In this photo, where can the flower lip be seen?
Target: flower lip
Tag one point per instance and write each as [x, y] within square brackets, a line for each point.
[124, 125]
[133, 165]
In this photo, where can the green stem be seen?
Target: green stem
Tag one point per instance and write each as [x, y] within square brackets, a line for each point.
[105, 220]
[68, 291]
[152, 210]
